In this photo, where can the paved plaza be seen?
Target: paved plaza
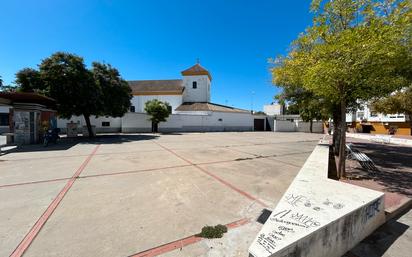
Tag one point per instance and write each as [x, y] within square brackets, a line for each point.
[145, 194]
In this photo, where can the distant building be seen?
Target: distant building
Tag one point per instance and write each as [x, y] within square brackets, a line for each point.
[274, 109]
[24, 115]
[191, 108]
[366, 120]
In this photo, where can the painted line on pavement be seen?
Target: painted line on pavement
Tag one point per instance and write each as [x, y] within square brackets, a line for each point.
[224, 182]
[33, 182]
[34, 231]
[178, 244]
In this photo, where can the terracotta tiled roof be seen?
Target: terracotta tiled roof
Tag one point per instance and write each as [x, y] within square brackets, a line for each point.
[205, 106]
[30, 98]
[157, 87]
[196, 70]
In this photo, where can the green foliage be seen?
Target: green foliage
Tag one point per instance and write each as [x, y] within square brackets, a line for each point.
[158, 110]
[6, 88]
[71, 84]
[355, 50]
[116, 93]
[28, 80]
[77, 90]
[351, 52]
[399, 102]
[213, 231]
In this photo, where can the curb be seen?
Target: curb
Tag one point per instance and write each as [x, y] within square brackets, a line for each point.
[394, 213]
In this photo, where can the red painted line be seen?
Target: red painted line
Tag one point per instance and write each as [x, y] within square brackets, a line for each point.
[133, 171]
[183, 242]
[224, 182]
[34, 231]
[247, 195]
[33, 182]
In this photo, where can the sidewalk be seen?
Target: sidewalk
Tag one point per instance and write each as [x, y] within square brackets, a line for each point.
[394, 175]
[394, 178]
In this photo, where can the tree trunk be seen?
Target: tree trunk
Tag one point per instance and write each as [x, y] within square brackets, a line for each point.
[336, 130]
[342, 141]
[155, 127]
[410, 123]
[310, 126]
[89, 125]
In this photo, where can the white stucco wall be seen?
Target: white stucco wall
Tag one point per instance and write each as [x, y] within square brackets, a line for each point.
[297, 126]
[317, 126]
[138, 122]
[115, 123]
[284, 126]
[139, 101]
[201, 93]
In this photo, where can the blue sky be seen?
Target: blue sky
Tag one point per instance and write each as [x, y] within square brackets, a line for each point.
[149, 39]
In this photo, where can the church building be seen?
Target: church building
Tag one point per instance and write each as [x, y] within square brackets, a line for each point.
[191, 108]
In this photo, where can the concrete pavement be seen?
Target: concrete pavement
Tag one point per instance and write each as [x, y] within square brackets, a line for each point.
[126, 194]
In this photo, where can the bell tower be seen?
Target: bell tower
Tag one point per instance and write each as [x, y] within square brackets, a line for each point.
[196, 81]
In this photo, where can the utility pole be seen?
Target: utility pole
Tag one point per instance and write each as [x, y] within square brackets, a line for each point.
[251, 101]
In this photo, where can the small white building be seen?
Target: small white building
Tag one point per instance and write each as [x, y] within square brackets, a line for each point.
[274, 109]
[191, 109]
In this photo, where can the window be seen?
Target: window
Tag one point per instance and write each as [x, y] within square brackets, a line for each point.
[4, 119]
[374, 114]
[132, 109]
[105, 124]
[169, 108]
[194, 84]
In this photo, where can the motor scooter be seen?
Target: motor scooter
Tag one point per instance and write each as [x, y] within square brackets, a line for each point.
[51, 135]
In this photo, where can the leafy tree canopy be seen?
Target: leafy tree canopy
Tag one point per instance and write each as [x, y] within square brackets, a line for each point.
[28, 80]
[159, 111]
[116, 93]
[354, 50]
[77, 90]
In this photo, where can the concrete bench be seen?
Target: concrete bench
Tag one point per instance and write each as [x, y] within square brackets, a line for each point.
[317, 216]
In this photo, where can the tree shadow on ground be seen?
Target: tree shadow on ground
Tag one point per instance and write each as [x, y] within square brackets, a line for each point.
[394, 166]
[65, 143]
[377, 244]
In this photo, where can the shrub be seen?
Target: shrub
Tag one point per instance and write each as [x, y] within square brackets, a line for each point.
[213, 231]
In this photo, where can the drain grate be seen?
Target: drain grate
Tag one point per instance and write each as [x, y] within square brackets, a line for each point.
[264, 216]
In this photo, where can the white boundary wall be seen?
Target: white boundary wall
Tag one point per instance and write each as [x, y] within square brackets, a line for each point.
[215, 121]
[297, 126]
[188, 122]
[115, 123]
[317, 216]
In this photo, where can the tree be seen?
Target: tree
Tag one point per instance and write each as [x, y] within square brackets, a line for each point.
[355, 50]
[304, 103]
[28, 80]
[116, 93]
[159, 112]
[399, 102]
[79, 91]
[6, 88]
[72, 86]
